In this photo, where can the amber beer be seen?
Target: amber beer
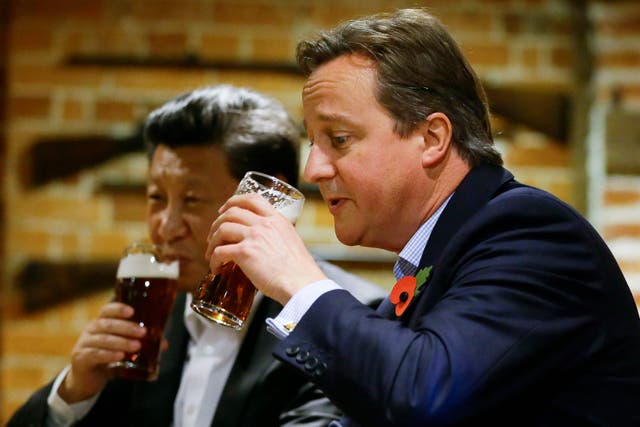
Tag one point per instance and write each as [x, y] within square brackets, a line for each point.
[147, 284]
[230, 294]
[226, 298]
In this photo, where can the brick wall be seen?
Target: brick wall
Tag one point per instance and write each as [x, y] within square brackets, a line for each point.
[510, 42]
[3, 96]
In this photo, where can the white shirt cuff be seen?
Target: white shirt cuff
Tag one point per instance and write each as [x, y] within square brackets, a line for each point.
[62, 414]
[297, 307]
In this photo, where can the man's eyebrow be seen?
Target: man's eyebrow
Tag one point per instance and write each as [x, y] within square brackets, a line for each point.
[332, 117]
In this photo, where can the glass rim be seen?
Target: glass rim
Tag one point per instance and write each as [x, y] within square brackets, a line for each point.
[272, 178]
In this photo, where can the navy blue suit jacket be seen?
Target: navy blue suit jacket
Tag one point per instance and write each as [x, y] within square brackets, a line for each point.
[525, 320]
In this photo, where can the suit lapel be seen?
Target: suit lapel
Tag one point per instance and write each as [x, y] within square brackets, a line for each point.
[475, 191]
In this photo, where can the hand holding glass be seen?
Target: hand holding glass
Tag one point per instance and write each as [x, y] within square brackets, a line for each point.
[226, 298]
[148, 283]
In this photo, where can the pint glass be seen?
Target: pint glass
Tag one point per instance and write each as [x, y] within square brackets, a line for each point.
[146, 282]
[226, 298]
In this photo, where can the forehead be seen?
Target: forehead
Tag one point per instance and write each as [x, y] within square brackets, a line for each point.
[353, 71]
[204, 163]
[347, 79]
[341, 90]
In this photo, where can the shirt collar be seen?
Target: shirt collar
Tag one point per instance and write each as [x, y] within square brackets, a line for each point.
[409, 256]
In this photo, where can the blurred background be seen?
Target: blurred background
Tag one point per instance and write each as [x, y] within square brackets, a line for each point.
[77, 77]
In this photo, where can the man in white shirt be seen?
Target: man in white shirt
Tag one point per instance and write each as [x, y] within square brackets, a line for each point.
[200, 144]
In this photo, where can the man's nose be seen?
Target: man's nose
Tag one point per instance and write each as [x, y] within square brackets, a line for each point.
[172, 224]
[319, 166]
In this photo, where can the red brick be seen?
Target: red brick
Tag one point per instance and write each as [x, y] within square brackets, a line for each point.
[129, 207]
[535, 23]
[562, 189]
[76, 211]
[22, 377]
[112, 40]
[273, 48]
[59, 9]
[546, 155]
[33, 243]
[468, 21]
[562, 57]
[219, 46]
[76, 42]
[266, 82]
[68, 243]
[480, 54]
[114, 111]
[620, 59]
[73, 110]
[30, 39]
[629, 91]
[106, 244]
[530, 57]
[167, 43]
[629, 266]
[627, 25]
[29, 106]
[621, 197]
[622, 230]
[50, 77]
[329, 15]
[175, 11]
[54, 344]
[171, 81]
[255, 13]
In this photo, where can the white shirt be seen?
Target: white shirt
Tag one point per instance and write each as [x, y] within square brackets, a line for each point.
[211, 352]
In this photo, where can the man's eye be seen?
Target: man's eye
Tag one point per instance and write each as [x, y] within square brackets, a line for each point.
[191, 200]
[155, 196]
[338, 140]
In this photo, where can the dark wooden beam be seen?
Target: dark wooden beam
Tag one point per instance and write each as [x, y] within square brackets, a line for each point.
[543, 109]
[58, 157]
[181, 62]
[42, 284]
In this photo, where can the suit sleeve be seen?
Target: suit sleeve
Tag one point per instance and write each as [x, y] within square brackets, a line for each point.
[521, 286]
[34, 412]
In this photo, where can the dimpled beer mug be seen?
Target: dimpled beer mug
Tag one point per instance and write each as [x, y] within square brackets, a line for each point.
[147, 282]
[226, 298]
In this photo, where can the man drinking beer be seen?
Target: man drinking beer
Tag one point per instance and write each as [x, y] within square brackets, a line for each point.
[200, 144]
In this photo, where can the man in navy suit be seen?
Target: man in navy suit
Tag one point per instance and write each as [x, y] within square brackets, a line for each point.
[200, 144]
[510, 309]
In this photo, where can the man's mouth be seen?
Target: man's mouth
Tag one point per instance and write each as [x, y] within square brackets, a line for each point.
[335, 203]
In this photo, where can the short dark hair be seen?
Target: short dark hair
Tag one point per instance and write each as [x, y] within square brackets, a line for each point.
[254, 131]
[420, 70]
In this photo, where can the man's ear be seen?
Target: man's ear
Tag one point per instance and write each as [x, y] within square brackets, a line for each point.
[437, 132]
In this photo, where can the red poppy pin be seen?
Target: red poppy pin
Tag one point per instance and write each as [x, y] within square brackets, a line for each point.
[405, 289]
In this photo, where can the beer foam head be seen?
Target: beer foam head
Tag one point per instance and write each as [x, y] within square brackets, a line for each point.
[145, 265]
[287, 205]
[291, 210]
